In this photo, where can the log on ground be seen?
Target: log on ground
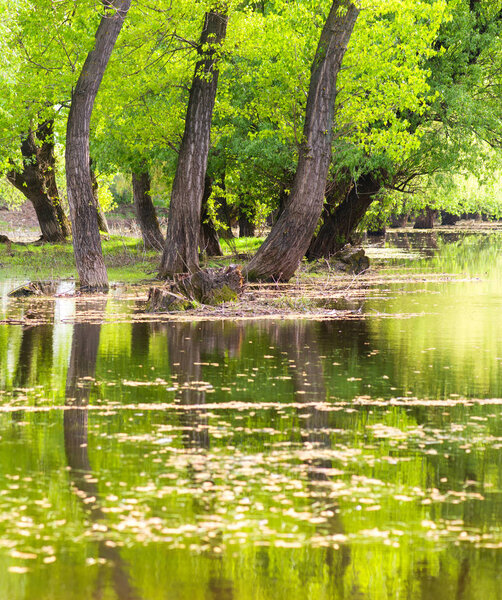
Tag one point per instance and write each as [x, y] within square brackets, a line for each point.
[35, 288]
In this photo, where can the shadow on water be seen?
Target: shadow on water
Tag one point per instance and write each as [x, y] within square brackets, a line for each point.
[81, 370]
[298, 342]
[180, 412]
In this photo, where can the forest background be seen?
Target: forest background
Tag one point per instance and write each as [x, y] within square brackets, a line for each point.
[416, 120]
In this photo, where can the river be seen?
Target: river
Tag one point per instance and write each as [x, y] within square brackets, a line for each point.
[349, 459]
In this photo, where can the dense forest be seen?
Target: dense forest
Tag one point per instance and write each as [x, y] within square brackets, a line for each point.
[315, 117]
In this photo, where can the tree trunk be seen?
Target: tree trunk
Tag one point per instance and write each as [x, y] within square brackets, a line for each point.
[448, 218]
[32, 183]
[339, 223]
[102, 222]
[246, 226]
[86, 240]
[209, 239]
[181, 251]
[145, 211]
[425, 219]
[45, 134]
[281, 253]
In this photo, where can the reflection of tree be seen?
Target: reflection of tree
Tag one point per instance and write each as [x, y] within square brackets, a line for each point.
[84, 351]
[299, 342]
[436, 586]
[140, 339]
[183, 340]
[35, 354]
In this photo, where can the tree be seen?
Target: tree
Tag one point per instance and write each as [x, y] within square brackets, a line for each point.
[457, 129]
[86, 240]
[182, 240]
[145, 210]
[282, 251]
[36, 180]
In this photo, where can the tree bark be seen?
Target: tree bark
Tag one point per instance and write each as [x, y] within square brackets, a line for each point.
[209, 239]
[246, 226]
[340, 223]
[182, 244]
[281, 253]
[45, 134]
[425, 220]
[31, 182]
[86, 240]
[145, 211]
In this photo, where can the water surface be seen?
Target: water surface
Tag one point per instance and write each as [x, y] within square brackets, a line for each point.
[342, 459]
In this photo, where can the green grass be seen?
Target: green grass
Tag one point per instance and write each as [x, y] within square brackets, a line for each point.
[125, 258]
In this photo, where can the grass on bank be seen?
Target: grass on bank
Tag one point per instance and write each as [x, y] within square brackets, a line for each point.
[125, 257]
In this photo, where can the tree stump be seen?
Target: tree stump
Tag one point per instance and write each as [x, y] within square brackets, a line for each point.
[350, 260]
[207, 286]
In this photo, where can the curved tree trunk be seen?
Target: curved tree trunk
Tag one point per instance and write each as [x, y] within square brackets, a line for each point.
[281, 253]
[31, 182]
[86, 240]
[209, 239]
[145, 211]
[340, 223]
[181, 251]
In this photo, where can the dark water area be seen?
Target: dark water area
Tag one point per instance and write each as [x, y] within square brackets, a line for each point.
[274, 459]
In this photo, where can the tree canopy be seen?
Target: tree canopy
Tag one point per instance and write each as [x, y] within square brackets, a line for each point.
[418, 94]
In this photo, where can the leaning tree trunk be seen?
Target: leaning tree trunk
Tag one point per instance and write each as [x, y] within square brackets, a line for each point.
[209, 239]
[341, 222]
[182, 244]
[31, 182]
[145, 211]
[86, 240]
[281, 253]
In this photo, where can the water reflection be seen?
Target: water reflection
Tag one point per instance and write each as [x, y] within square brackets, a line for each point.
[299, 343]
[275, 459]
[81, 371]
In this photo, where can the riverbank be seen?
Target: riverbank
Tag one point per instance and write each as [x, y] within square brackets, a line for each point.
[317, 291]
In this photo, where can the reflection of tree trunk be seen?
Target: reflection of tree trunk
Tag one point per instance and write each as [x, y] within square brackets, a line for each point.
[146, 215]
[35, 357]
[183, 341]
[140, 342]
[84, 352]
[299, 343]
